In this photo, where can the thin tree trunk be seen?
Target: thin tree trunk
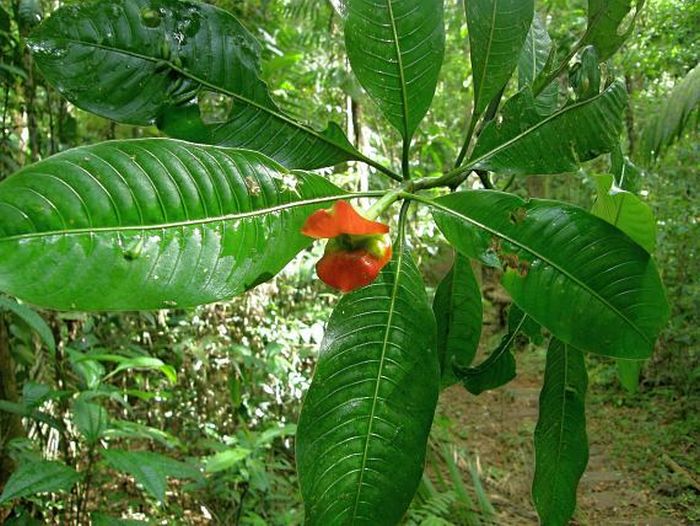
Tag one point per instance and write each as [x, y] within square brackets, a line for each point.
[10, 425]
[29, 85]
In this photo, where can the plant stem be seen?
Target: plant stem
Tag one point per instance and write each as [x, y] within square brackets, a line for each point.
[83, 499]
[467, 141]
[405, 162]
[382, 204]
[239, 512]
[381, 168]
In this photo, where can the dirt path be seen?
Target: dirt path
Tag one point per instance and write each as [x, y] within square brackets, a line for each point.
[497, 427]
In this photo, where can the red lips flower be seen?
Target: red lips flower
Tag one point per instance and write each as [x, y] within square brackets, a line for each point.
[357, 250]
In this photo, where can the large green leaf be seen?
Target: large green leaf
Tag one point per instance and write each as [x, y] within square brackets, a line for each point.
[609, 24]
[534, 57]
[152, 223]
[526, 142]
[365, 421]
[497, 32]
[673, 117]
[459, 314]
[146, 61]
[575, 274]
[39, 477]
[396, 49]
[636, 219]
[561, 444]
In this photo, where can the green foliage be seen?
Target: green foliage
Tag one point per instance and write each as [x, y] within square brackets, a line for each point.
[528, 143]
[497, 32]
[161, 223]
[459, 314]
[609, 25]
[556, 258]
[169, 61]
[497, 370]
[149, 469]
[177, 224]
[31, 318]
[39, 477]
[396, 50]
[561, 444]
[371, 402]
[536, 54]
[674, 117]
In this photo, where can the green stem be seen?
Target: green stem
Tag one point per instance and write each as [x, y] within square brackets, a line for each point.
[467, 141]
[381, 168]
[405, 163]
[383, 204]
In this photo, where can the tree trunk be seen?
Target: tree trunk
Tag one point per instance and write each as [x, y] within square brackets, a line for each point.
[10, 425]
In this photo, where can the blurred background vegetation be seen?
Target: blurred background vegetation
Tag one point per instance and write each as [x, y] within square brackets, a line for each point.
[217, 389]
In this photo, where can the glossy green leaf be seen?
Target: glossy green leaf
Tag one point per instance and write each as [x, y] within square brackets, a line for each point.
[497, 31]
[459, 314]
[149, 469]
[90, 419]
[31, 318]
[396, 48]
[534, 57]
[673, 117]
[145, 61]
[575, 274]
[561, 444]
[524, 142]
[609, 24]
[498, 369]
[152, 223]
[39, 477]
[636, 219]
[626, 211]
[365, 421]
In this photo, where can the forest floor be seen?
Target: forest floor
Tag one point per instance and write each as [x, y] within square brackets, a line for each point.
[644, 458]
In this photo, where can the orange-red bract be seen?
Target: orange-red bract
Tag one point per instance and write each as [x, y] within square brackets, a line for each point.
[351, 270]
[341, 219]
[357, 250]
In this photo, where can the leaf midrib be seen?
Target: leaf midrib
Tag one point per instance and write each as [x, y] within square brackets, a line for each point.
[385, 345]
[546, 260]
[179, 224]
[399, 62]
